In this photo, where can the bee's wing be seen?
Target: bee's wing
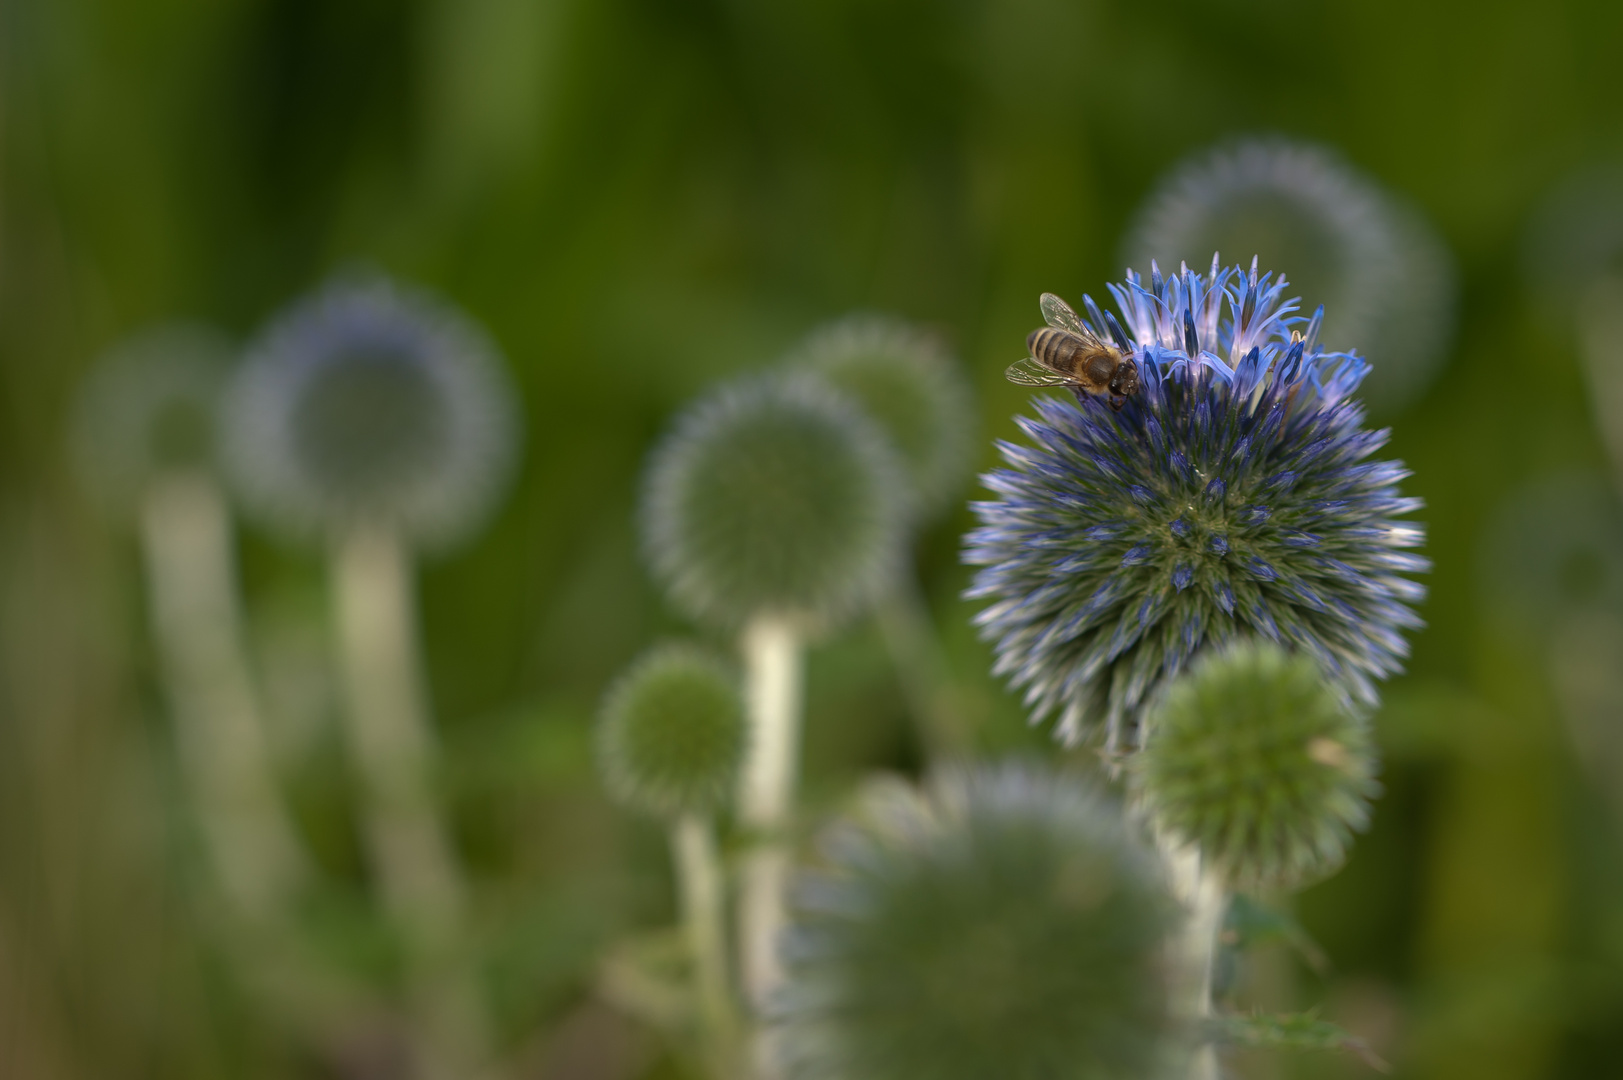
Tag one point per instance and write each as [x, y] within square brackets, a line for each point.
[1058, 314]
[1029, 372]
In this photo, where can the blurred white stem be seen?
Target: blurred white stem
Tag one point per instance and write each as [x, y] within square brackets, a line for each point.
[772, 673]
[1601, 338]
[1204, 901]
[699, 879]
[191, 569]
[910, 636]
[393, 742]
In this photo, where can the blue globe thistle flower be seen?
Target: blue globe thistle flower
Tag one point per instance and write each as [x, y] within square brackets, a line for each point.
[369, 403]
[1002, 923]
[1232, 495]
[1385, 277]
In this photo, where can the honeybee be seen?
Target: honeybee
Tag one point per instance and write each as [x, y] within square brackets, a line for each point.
[1067, 353]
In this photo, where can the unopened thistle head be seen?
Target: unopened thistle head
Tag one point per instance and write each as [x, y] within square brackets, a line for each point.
[1258, 761]
[1002, 923]
[149, 408]
[905, 380]
[371, 404]
[1232, 495]
[671, 734]
[1384, 276]
[772, 497]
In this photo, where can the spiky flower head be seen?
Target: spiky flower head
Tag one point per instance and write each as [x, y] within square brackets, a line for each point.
[1231, 495]
[148, 408]
[906, 381]
[671, 733]
[371, 404]
[1384, 276]
[772, 497]
[1260, 762]
[1002, 923]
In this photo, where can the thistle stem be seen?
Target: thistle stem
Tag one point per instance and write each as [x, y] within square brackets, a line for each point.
[251, 841]
[699, 879]
[392, 738]
[904, 621]
[1204, 899]
[773, 677]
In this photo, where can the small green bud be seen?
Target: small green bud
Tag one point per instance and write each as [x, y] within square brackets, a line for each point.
[775, 497]
[149, 407]
[906, 382]
[1002, 924]
[671, 735]
[1255, 757]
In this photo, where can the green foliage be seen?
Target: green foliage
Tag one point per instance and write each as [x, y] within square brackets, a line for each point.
[1260, 761]
[999, 924]
[1290, 1031]
[772, 497]
[905, 380]
[672, 732]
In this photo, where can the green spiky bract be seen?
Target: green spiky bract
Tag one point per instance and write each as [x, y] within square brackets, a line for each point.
[1001, 924]
[773, 497]
[906, 382]
[1261, 762]
[671, 735]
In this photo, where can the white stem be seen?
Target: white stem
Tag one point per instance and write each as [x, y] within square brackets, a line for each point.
[772, 667]
[1204, 900]
[910, 636]
[699, 880]
[392, 739]
[191, 570]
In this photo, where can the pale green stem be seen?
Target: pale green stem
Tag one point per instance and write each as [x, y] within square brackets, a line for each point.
[922, 668]
[1204, 900]
[224, 754]
[1601, 336]
[392, 739]
[772, 666]
[699, 881]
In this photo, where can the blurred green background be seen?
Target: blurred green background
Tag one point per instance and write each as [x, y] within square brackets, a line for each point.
[638, 197]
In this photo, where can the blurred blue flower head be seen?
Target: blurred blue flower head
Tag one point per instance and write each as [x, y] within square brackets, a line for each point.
[1232, 496]
[371, 403]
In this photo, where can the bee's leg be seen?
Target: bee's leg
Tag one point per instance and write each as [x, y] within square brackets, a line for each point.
[1117, 402]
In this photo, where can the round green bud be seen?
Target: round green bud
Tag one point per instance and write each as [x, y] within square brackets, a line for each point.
[1260, 761]
[1004, 923]
[671, 736]
[149, 407]
[772, 497]
[904, 379]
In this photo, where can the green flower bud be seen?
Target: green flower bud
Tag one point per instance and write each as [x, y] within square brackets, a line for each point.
[773, 497]
[1258, 759]
[149, 407]
[904, 379]
[1003, 924]
[671, 735]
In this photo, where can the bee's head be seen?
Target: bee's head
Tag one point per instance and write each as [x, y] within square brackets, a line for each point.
[1125, 379]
